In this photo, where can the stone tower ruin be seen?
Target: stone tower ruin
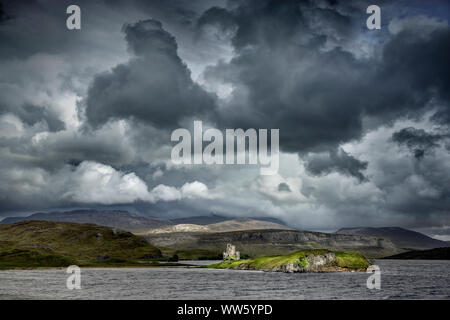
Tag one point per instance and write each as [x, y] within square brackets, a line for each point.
[231, 253]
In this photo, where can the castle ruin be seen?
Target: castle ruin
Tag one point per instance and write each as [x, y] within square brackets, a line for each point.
[231, 253]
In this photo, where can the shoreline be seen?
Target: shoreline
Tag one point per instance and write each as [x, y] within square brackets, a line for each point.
[105, 266]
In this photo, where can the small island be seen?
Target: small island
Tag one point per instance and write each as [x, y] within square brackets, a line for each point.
[300, 261]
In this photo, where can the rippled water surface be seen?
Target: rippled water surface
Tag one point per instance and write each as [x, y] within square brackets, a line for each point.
[399, 280]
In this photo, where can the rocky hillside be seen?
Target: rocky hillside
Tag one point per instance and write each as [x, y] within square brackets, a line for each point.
[254, 243]
[55, 244]
[402, 238]
[116, 219]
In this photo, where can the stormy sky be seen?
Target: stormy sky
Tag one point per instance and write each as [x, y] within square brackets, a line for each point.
[364, 116]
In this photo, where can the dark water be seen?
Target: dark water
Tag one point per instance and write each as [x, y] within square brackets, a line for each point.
[399, 280]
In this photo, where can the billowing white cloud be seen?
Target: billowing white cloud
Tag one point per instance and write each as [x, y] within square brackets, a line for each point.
[164, 193]
[195, 190]
[97, 183]
[93, 182]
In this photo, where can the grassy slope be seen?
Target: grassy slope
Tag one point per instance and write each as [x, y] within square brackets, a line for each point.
[345, 259]
[54, 244]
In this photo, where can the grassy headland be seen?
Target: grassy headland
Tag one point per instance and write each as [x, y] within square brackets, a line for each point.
[32, 244]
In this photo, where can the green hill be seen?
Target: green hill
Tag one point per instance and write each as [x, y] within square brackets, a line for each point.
[31, 244]
[301, 261]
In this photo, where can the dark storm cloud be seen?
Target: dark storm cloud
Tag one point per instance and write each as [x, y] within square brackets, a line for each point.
[31, 114]
[220, 17]
[336, 160]
[295, 70]
[3, 15]
[153, 87]
[283, 187]
[39, 26]
[417, 140]
[34, 27]
[11, 101]
[41, 61]
[55, 150]
[273, 43]
[414, 71]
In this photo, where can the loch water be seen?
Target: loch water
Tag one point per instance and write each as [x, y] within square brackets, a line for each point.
[400, 279]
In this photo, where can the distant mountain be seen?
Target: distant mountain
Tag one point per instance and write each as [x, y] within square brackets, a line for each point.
[200, 220]
[224, 226]
[141, 224]
[245, 224]
[431, 254]
[213, 219]
[402, 238]
[116, 219]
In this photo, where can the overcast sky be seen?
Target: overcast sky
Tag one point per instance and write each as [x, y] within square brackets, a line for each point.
[364, 115]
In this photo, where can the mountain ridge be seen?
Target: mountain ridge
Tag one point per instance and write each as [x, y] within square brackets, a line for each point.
[109, 218]
[138, 223]
[214, 218]
[403, 238]
[255, 243]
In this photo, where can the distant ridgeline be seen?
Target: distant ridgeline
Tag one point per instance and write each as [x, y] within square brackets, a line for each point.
[402, 238]
[110, 218]
[431, 254]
